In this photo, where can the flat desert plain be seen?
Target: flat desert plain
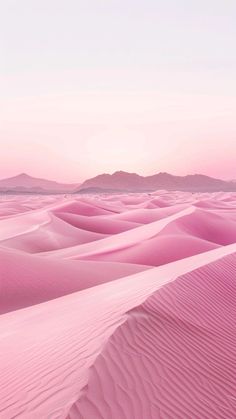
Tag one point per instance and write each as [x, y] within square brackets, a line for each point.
[118, 306]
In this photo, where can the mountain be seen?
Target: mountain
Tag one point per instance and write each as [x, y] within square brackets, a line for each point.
[124, 181]
[24, 183]
[117, 182]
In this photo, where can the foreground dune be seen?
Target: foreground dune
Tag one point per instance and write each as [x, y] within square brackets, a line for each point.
[177, 350]
[118, 306]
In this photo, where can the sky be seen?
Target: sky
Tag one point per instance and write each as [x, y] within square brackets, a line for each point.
[95, 86]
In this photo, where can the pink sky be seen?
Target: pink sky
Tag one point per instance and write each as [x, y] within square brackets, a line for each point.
[138, 87]
[72, 153]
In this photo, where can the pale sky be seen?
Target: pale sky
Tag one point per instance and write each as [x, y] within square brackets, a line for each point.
[94, 86]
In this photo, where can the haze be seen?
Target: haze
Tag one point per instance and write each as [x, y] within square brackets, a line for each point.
[92, 87]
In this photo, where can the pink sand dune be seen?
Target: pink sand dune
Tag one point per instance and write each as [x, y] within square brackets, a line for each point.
[32, 279]
[51, 234]
[83, 207]
[155, 251]
[122, 240]
[48, 350]
[174, 355]
[97, 224]
[118, 306]
[145, 216]
[204, 225]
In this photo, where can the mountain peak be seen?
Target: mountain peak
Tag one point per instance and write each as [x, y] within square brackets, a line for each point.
[123, 173]
[120, 172]
[23, 175]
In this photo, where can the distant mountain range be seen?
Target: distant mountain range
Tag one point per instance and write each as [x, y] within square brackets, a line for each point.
[123, 181]
[117, 182]
[24, 183]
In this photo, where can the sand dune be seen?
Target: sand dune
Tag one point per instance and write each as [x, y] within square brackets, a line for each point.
[50, 235]
[118, 306]
[97, 224]
[177, 350]
[122, 240]
[32, 279]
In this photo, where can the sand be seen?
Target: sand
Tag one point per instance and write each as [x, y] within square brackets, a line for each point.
[118, 306]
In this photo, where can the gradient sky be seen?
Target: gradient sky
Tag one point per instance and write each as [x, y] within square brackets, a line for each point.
[97, 86]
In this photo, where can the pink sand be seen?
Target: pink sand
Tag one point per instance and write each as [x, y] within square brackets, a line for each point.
[118, 306]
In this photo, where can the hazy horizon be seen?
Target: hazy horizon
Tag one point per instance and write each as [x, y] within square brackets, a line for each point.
[90, 88]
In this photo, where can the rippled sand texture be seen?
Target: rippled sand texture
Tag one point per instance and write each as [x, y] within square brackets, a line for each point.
[118, 306]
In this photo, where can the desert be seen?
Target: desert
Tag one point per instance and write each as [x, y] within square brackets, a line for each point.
[118, 305]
